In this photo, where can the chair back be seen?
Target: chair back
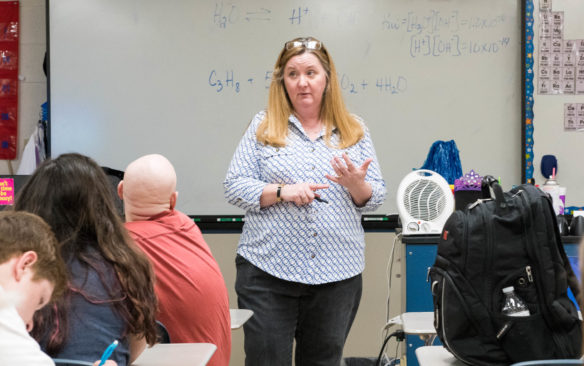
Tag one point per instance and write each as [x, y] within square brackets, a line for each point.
[162, 333]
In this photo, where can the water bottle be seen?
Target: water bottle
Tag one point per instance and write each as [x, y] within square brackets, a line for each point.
[562, 194]
[513, 305]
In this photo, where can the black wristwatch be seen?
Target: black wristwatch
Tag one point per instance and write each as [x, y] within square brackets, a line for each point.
[278, 192]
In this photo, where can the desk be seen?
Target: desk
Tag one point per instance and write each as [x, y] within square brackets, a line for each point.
[420, 323]
[436, 356]
[176, 354]
[239, 317]
[417, 323]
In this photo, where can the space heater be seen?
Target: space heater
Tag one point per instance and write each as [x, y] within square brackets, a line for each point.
[424, 202]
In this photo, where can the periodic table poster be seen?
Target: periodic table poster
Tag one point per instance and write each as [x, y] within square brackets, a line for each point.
[558, 104]
[9, 19]
[561, 60]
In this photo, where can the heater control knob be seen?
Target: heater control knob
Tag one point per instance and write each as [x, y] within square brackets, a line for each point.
[413, 226]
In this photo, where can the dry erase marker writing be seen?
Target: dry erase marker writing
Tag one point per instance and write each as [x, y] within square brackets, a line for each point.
[108, 352]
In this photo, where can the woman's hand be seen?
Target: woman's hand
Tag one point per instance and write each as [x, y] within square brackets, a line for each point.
[301, 193]
[348, 174]
[352, 177]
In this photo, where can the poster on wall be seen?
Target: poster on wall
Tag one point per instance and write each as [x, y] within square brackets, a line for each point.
[9, 23]
[561, 64]
[561, 61]
[574, 116]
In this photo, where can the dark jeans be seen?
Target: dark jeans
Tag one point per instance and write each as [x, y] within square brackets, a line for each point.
[317, 316]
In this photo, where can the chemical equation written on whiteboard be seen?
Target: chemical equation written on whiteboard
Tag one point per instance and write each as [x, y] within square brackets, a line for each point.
[436, 45]
[440, 34]
[225, 15]
[435, 21]
[231, 81]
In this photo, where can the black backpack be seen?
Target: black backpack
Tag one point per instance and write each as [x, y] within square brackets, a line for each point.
[511, 240]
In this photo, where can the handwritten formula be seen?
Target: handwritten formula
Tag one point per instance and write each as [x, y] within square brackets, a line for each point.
[231, 81]
[408, 34]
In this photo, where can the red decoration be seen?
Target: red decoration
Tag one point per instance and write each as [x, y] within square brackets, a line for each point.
[9, 22]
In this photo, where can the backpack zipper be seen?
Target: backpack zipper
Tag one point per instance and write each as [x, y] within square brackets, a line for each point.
[465, 241]
[488, 265]
[478, 202]
[529, 274]
[446, 277]
[443, 318]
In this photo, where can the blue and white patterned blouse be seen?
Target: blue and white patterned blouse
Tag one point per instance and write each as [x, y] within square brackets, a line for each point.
[311, 244]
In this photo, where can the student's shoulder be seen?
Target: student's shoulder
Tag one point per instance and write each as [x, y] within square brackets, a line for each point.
[17, 347]
[143, 229]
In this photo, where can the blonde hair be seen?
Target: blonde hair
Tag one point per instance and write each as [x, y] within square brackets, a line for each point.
[333, 113]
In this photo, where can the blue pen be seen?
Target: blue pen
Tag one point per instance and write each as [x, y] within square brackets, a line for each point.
[108, 352]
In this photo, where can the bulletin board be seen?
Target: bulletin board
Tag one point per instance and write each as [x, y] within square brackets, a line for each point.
[9, 18]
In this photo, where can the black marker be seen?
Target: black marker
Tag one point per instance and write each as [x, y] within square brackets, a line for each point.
[320, 199]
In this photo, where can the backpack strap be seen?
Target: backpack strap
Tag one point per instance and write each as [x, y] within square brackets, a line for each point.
[573, 283]
[490, 184]
[572, 279]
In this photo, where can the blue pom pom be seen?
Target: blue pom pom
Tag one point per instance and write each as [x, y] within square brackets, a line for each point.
[443, 159]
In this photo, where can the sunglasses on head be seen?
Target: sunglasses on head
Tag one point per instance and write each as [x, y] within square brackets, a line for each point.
[307, 43]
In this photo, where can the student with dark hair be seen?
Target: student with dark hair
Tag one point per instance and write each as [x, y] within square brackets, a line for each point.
[110, 295]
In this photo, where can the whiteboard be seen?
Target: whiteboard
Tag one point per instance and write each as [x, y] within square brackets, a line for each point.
[549, 136]
[184, 77]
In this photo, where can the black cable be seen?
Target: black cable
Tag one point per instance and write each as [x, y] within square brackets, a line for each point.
[396, 350]
[399, 334]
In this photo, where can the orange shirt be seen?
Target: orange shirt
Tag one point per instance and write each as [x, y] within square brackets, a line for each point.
[193, 300]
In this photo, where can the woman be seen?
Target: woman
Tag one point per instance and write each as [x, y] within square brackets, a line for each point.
[110, 293]
[304, 172]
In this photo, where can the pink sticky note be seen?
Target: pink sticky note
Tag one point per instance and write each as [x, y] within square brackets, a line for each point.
[6, 191]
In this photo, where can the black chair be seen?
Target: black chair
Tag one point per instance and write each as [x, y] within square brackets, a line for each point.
[163, 336]
[115, 176]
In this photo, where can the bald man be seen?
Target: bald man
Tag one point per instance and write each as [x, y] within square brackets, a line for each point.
[193, 300]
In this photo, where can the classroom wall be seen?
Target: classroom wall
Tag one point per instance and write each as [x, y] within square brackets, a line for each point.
[33, 85]
[365, 336]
